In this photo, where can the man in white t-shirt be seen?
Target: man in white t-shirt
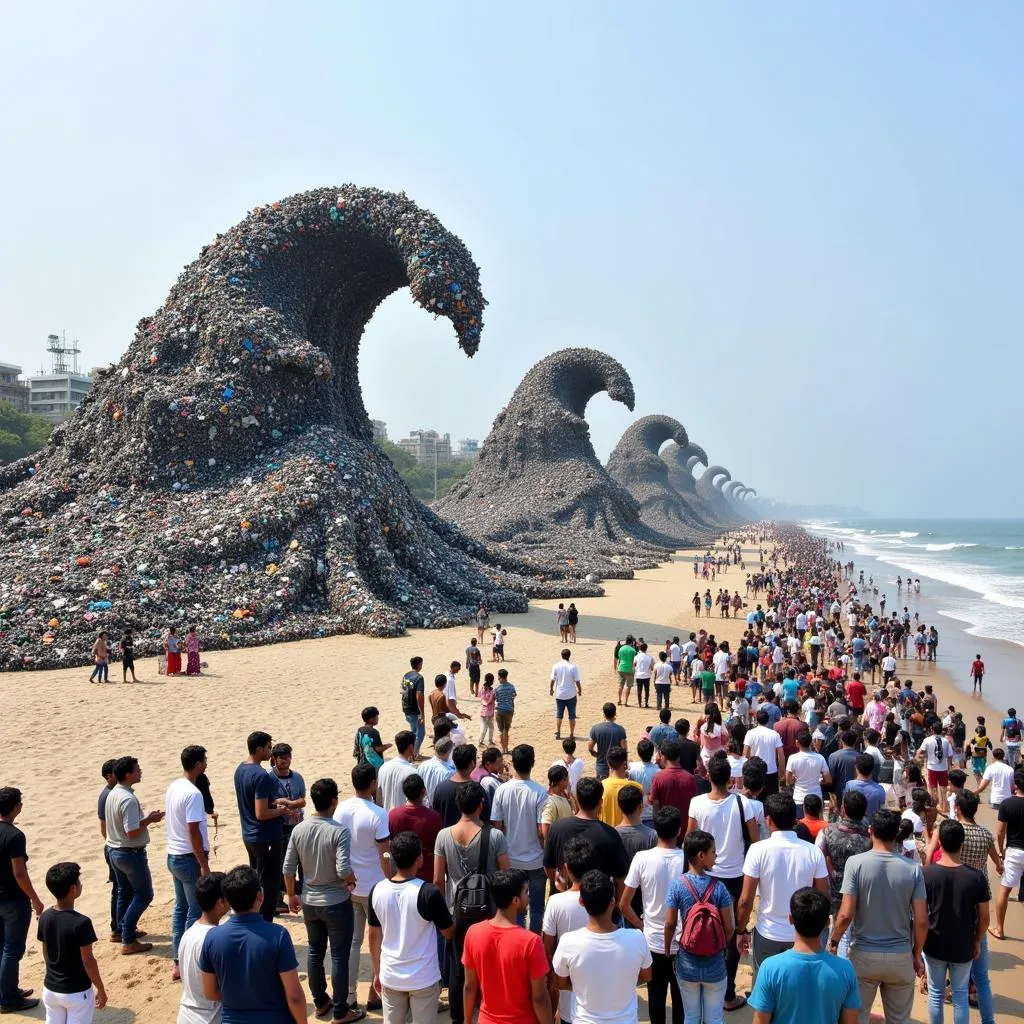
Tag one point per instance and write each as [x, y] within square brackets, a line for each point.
[195, 1008]
[652, 873]
[367, 824]
[937, 753]
[564, 912]
[775, 869]
[602, 963]
[998, 775]
[188, 844]
[766, 743]
[565, 688]
[806, 771]
[643, 668]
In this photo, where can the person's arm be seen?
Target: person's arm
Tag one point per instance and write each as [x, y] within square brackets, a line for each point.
[541, 1000]
[503, 863]
[790, 778]
[150, 819]
[419, 703]
[671, 922]
[979, 932]
[846, 913]
[195, 837]
[375, 943]
[780, 759]
[993, 853]
[470, 990]
[626, 907]
[746, 904]
[746, 750]
[295, 996]
[92, 969]
[440, 869]
[826, 777]
[264, 812]
[984, 785]
[210, 987]
[383, 848]
[932, 846]
[21, 876]
[920, 933]
[592, 747]
[728, 923]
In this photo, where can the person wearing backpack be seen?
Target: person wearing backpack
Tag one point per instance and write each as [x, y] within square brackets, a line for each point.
[704, 907]
[1010, 734]
[412, 691]
[464, 856]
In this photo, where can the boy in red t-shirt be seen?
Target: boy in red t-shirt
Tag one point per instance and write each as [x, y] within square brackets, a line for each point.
[506, 964]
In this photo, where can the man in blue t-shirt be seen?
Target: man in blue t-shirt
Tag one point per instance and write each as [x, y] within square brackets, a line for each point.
[261, 808]
[805, 983]
[248, 964]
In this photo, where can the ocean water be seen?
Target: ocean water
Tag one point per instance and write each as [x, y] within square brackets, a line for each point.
[972, 576]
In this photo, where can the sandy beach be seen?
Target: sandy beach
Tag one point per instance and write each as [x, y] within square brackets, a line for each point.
[59, 729]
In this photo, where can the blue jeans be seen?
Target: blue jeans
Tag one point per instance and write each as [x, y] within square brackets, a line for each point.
[702, 1000]
[329, 925]
[979, 975]
[184, 869]
[15, 917]
[418, 729]
[561, 706]
[663, 694]
[538, 888]
[959, 980]
[133, 865]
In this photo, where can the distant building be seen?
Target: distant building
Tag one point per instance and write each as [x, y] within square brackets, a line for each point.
[469, 448]
[380, 430]
[57, 394]
[12, 388]
[426, 445]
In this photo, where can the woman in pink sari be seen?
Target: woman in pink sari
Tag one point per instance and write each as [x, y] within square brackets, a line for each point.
[192, 647]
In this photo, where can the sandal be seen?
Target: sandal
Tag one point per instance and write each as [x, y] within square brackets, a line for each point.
[738, 1002]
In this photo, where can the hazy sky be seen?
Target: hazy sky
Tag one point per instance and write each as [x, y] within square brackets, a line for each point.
[798, 226]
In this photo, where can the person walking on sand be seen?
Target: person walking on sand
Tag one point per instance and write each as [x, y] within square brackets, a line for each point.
[1010, 846]
[483, 620]
[977, 673]
[172, 651]
[574, 621]
[192, 667]
[562, 619]
[101, 659]
[565, 688]
[128, 656]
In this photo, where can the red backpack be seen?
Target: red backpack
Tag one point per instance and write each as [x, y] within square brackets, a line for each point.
[703, 932]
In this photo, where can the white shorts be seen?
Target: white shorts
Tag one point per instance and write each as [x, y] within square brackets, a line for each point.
[1013, 868]
[69, 1007]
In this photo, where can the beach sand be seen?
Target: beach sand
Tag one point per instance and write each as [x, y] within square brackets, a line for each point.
[58, 729]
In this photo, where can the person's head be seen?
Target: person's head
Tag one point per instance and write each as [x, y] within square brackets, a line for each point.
[241, 888]
[579, 857]
[871, 737]
[127, 770]
[413, 788]
[803, 739]
[809, 911]
[364, 778]
[107, 770]
[488, 680]
[523, 758]
[812, 806]
[967, 804]
[469, 798]
[885, 825]
[193, 759]
[664, 716]
[10, 801]
[370, 715]
[630, 800]
[415, 663]
[957, 778]
[951, 836]
[64, 880]
[865, 765]
[405, 742]
[855, 804]
[464, 758]
[754, 771]
[937, 728]
[780, 811]
[259, 744]
[472, 641]
[454, 667]
[762, 717]
[682, 726]
[558, 779]
[999, 754]
[589, 793]
[443, 748]
[663, 656]
[510, 890]
[210, 895]
[699, 847]
[719, 771]
[645, 750]
[608, 709]
[920, 799]
[848, 738]
[569, 746]
[406, 852]
[440, 681]
[441, 726]
[491, 759]
[324, 794]
[597, 893]
[617, 759]
[281, 757]
[667, 823]
[502, 675]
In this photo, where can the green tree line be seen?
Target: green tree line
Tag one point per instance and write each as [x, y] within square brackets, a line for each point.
[21, 433]
[419, 477]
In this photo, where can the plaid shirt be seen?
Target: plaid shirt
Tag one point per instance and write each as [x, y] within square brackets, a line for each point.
[977, 842]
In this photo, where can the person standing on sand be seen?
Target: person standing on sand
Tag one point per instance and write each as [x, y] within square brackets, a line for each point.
[194, 1007]
[474, 659]
[128, 656]
[562, 619]
[192, 667]
[565, 687]
[574, 620]
[483, 620]
[1010, 846]
[101, 659]
[412, 689]
[172, 651]
[627, 655]
[977, 673]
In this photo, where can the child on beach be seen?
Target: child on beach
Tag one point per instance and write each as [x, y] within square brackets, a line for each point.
[487, 697]
[67, 937]
[504, 707]
[498, 635]
[979, 748]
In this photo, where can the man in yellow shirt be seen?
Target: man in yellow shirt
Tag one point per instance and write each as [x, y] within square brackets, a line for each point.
[618, 777]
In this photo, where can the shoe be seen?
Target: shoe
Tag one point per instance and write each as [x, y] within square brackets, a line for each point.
[19, 1006]
[24, 993]
[373, 1004]
[136, 947]
[323, 1012]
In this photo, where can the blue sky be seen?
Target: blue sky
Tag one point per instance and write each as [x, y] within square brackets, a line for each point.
[797, 225]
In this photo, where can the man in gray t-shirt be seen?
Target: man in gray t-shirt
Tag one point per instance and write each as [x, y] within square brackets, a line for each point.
[884, 903]
[321, 846]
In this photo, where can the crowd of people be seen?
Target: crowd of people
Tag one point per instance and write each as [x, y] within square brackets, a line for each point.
[816, 817]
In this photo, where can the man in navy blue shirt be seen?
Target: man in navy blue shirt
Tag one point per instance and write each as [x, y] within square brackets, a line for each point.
[248, 964]
[261, 808]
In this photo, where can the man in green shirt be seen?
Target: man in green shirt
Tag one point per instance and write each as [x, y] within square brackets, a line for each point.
[627, 655]
[707, 684]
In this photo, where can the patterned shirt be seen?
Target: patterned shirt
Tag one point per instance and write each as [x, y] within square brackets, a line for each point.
[977, 842]
[840, 842]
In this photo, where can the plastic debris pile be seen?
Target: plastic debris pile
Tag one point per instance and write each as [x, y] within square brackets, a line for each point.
[680, 461]
[709, 490]
[224, 472]
[538, 491]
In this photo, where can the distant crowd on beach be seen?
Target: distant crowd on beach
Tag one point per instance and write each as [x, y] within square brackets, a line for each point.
[816, 816]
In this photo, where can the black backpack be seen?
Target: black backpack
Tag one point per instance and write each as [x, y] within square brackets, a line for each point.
[473, 900]
[410, 705]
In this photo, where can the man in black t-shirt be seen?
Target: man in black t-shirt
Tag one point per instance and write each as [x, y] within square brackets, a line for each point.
[17, 901]
[1010, 844]
[67, 937]
[609, 851]
[412, 702]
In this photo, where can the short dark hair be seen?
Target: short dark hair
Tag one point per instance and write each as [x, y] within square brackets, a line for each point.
[209, 890]
[803, 738]
[719, 770]
[10, 797]
[469, 797]
[665, 715]
[885, 824]
[463, 756]
[506, 886]
[667, 822]
[645, 750]
[810, 910]
[404, 739]
[968, 803]
[490, 755]
[616, 757]
[413, 787]
[280, 750]
[241, 885]
[124, 766]
[108, 767]
[589, 792]
[865, 764]
[698, 841]
[61, 877]
[597, 891]
[754, 774]
[254, 741]
[579, 856]
[682, 726]
[813, 805]
[951, 836]
[405, 848]
[523, 758]
[782, 810]
[369, 712]
[848, 738]
[323, 793]
[558, 773]
[608, 709]
[191, 756]
[415, 663]
[630, 799]
[671, 750]
[957, 777]
[855, 804]
[363, 776]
